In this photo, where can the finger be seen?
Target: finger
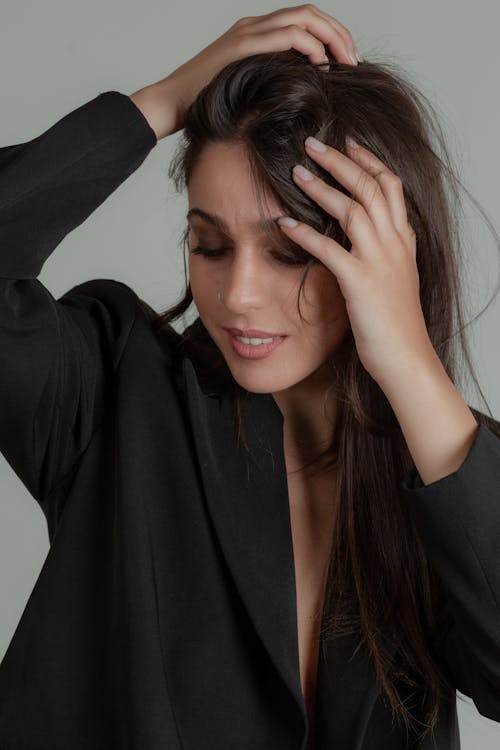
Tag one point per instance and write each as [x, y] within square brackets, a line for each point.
[288, 37]
[351, 215]
[329, 252]
[344, 32]
[364, 188]
[311, 8]
[317, 24]
[390, 184]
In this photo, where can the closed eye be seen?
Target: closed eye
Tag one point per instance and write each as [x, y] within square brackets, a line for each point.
[285, 260]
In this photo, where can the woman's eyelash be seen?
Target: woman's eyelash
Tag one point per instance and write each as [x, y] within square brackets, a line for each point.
[199, 250]
[285, 260]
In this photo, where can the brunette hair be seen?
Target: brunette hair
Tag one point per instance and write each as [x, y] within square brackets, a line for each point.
[270, 103]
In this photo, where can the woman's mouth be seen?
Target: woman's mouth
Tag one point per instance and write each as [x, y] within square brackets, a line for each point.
[254, 348]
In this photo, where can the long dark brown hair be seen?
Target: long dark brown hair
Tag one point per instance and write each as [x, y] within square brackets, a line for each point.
[270, 103]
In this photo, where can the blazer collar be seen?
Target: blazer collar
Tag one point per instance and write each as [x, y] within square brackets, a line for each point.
[247, 497]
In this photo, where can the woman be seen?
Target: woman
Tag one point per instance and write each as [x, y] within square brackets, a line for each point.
[203, 588]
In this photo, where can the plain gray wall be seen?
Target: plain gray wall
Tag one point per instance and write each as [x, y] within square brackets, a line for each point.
[56, 55]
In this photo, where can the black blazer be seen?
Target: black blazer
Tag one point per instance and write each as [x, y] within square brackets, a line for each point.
[164, 616]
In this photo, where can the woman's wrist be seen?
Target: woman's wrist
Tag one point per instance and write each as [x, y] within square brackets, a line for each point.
[159, 106]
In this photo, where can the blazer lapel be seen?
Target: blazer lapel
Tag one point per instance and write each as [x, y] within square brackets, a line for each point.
[248, 501]
[247, 497]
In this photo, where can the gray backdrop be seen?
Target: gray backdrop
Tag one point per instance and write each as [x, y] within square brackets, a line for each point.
[58, 54]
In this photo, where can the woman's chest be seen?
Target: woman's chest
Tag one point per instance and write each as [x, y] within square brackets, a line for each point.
[311, 515]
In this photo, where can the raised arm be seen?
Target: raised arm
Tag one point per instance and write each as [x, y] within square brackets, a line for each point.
[57, 357]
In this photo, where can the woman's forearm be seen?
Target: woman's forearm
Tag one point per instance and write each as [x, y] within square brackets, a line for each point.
[158, 104]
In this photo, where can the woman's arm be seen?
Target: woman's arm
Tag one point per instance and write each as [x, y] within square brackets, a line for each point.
[58, 356]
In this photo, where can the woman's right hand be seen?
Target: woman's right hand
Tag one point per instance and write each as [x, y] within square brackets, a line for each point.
[305, 28]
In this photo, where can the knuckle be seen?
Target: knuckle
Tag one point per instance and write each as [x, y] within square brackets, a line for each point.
[395, 179]
[371, 188]
[375, 188]
[367, 185]
[348, 35]
[344, 33]
[295, 30]
[353, 214]
[354, 210]
[376, 194]
[244, 21]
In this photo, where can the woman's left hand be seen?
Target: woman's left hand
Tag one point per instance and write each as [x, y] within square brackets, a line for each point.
[378, 277]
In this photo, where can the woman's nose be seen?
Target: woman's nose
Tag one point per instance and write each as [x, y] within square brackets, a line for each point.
[246, 285]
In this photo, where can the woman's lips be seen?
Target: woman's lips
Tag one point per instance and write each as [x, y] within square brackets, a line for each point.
[254, 351]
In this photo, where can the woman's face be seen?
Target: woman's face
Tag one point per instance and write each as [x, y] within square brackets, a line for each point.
[247, 287]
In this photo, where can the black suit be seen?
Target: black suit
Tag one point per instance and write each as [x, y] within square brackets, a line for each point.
[164, 617]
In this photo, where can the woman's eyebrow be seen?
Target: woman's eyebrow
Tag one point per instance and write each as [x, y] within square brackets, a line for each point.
[263, 225]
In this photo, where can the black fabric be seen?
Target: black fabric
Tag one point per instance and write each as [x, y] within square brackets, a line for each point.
[164, 615]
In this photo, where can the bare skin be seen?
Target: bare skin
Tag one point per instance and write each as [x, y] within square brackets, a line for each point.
[245, 286]
[311, 517]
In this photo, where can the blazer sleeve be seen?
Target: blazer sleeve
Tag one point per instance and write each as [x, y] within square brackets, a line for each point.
[458, 521]
[58, 356]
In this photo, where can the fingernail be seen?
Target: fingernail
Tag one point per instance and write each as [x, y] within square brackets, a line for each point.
[302, 172]
[314, 143]
[351, 142]
[352, 57]
[359, 56]
[287, 221]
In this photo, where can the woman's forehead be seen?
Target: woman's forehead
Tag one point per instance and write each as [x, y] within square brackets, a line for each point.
[222, 192]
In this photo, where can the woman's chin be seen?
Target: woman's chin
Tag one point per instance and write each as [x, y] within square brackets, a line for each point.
[260, 377]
